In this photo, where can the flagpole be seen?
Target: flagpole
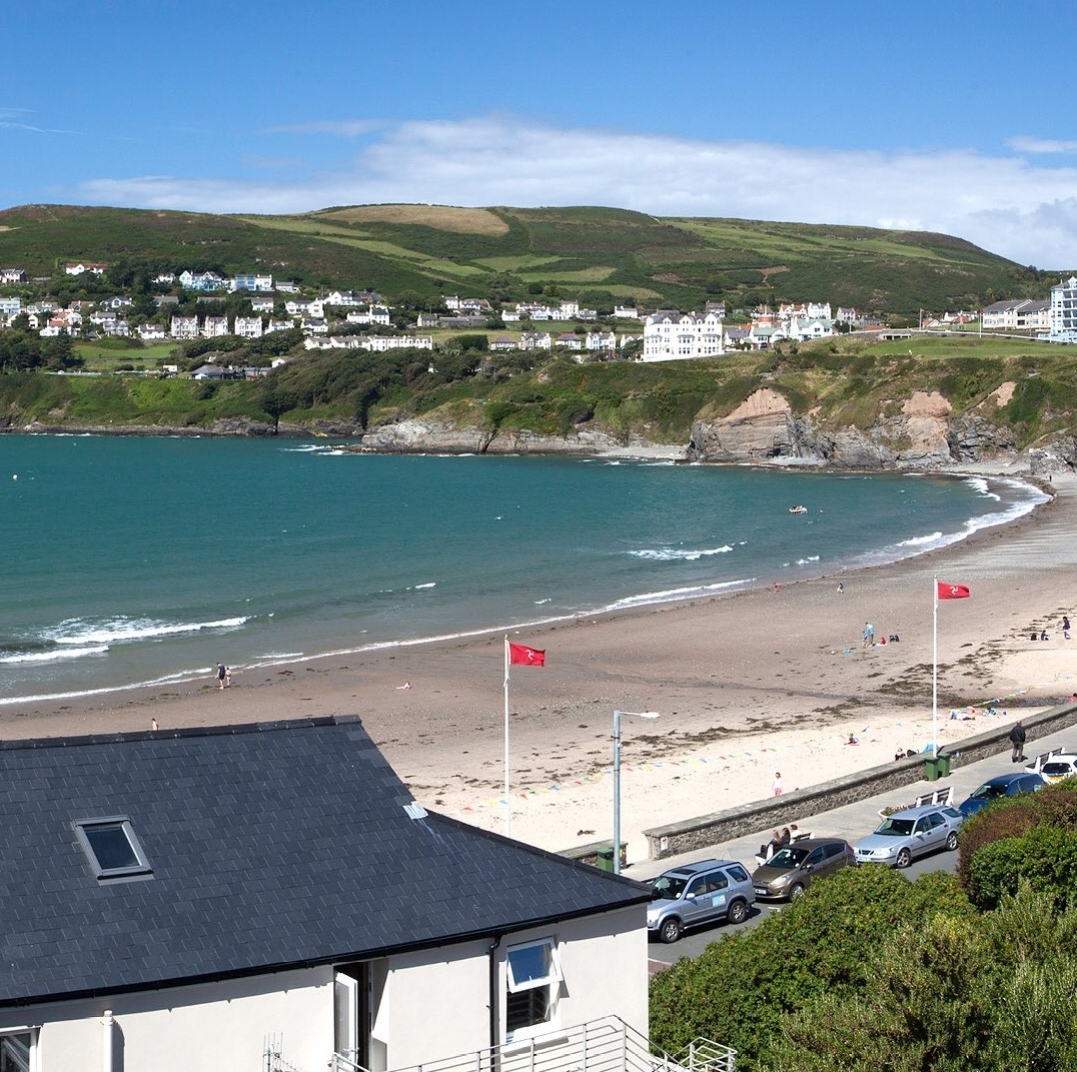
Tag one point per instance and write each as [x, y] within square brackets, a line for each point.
[935, 668]
[508, 802]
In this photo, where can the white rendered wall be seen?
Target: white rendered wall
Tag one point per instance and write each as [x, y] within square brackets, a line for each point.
[221, 1026]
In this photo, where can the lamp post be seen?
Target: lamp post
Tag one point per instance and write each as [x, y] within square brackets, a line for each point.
[617, 781]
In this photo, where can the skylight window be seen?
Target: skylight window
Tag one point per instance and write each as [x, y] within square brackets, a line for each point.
[112, 848]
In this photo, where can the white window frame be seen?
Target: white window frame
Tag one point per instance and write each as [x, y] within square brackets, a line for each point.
[33, 1064]
[551, 981]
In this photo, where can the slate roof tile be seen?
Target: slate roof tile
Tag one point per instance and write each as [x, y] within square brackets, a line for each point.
[275, 844]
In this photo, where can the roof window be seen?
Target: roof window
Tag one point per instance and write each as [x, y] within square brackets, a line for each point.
[112, 848]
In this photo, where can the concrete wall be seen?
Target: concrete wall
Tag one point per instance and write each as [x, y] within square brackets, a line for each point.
[718, 827]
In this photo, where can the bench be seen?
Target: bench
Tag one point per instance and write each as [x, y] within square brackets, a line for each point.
[938, 796]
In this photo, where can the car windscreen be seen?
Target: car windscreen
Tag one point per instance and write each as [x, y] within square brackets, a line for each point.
[668, 887]
[1053, 770]
[989, 791]
[787, 859]
[896, 827]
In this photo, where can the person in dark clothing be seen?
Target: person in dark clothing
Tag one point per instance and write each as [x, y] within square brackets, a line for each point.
[1017, 739]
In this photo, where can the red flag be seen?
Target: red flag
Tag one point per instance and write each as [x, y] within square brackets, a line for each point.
[522, 655]
[953, 591]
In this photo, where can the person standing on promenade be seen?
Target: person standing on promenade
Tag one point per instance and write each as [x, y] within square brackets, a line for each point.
[1017, 739]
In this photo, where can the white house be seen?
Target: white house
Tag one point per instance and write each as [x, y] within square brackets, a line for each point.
[600, 340]
[184, 327]
[211, 898]
[381, 343]
[82, 267]
[1064, 311]
[669, 335]
[536, 340]
[248, 327]
[1002, 315]
[625, 312]
[214, 326]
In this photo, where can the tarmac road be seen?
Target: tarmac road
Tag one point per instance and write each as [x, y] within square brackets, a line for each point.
[852, 822]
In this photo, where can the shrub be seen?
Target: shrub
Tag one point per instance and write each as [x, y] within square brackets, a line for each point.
[740, 989]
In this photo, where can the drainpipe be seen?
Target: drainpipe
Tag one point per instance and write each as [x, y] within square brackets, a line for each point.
[495, 1023]
[108, 1030]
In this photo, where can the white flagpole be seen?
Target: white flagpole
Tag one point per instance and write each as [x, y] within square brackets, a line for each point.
[935, 667]
[508, 801]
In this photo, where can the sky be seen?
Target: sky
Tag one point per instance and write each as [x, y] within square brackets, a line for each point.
[941, 115]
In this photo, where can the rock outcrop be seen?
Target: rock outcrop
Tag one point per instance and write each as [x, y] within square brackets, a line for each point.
[923, 434]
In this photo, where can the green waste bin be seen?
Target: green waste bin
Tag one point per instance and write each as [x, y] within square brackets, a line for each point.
[931, 768]
[605, 858]
[943, 763]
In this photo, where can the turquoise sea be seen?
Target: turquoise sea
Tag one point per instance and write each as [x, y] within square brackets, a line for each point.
[142, 561]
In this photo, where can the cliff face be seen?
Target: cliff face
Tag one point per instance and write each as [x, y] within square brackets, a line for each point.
[924, 434]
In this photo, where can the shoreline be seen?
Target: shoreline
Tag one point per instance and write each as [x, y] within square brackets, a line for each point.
[171, 684]
[746, 683]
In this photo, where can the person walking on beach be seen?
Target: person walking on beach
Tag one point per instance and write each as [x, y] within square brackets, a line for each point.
[1017, 739]
[868, 635]
[1065, 627]
[222, 673]
[777, 783]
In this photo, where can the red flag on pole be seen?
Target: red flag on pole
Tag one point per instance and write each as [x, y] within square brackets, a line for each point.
[522, 655]
[953, 591]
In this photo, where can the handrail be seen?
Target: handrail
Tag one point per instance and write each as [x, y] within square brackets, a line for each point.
[604, 1045]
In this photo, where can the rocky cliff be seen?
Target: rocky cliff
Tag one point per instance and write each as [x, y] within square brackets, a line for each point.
[923, 432]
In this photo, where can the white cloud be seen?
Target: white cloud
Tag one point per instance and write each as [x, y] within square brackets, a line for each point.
[1003, 203]
[1021, 143]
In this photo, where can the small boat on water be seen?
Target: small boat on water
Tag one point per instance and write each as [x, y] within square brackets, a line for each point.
[798, 509]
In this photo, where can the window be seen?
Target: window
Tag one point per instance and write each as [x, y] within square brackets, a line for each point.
[112, 848]
[15, 1051]
[534, 978]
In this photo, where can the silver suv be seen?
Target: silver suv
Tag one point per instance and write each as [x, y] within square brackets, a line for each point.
[698, 893]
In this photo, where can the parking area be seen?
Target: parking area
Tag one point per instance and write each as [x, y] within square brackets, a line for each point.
[851, 822]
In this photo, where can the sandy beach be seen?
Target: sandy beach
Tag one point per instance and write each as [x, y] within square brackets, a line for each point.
[746, 685]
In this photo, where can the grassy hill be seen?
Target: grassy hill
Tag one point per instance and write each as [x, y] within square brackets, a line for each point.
[601, 256]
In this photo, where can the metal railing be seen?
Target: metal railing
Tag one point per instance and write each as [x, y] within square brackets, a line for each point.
[606, 1045]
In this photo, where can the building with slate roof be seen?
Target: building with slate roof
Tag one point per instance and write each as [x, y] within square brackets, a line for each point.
[228, 898]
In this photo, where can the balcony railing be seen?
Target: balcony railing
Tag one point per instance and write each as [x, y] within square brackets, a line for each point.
[606, 1045]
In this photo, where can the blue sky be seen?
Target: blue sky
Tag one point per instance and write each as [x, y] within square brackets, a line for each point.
[944, 116]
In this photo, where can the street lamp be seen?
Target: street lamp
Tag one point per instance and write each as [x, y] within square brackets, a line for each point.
[617, 781]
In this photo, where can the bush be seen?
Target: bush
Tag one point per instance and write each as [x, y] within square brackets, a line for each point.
[739, 991]
[1022, 833]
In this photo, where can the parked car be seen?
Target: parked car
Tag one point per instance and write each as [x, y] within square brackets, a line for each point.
[1058, 767]
[1004, 785]
[789, 872]
[909, 833]
[698, 893]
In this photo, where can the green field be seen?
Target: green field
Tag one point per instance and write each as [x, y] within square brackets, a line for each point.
[597, 255]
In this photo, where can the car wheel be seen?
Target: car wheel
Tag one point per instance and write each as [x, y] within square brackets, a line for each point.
[796, 891]
[738, 912]
[904, 858]
[951, 840]
[670, 930]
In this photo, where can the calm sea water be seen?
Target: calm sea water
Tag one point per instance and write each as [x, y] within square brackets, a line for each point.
[135, 561]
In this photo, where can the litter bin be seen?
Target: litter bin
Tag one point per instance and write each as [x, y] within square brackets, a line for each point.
[943, 763]
[931, 768]
[605, 858]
